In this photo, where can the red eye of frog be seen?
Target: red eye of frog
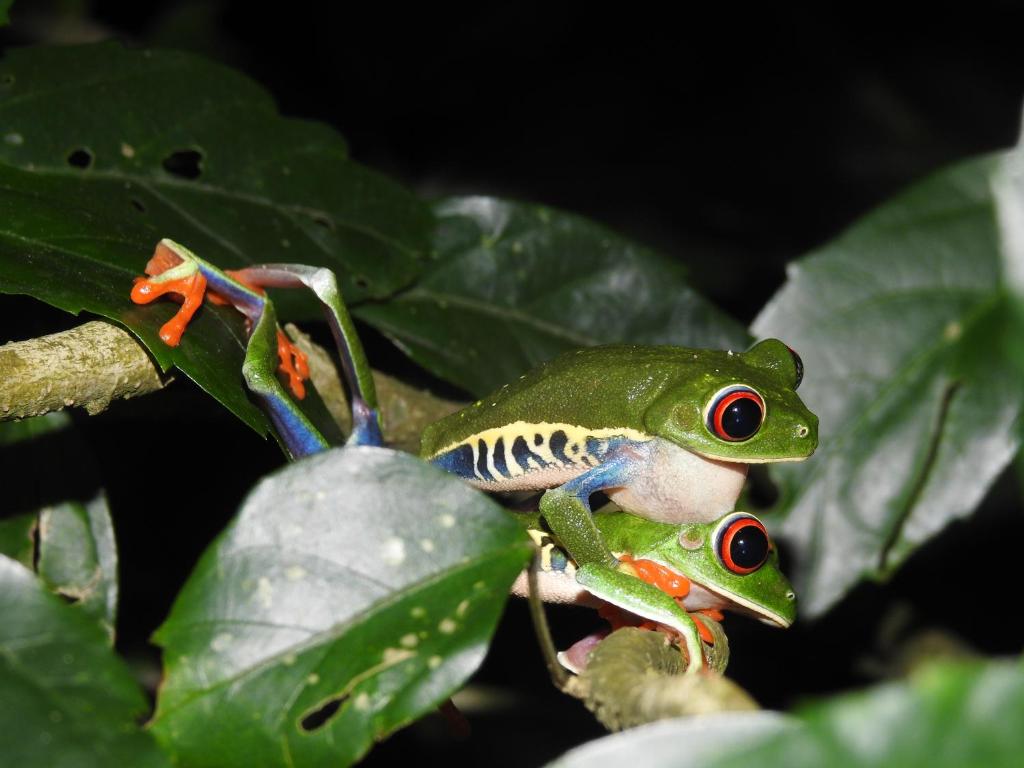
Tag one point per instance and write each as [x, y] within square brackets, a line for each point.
[736, 414]
[742, 544]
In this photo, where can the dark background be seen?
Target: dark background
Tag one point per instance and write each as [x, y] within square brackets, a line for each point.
[732, 141]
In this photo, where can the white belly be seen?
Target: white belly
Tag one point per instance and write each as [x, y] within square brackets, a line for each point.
[677, 486]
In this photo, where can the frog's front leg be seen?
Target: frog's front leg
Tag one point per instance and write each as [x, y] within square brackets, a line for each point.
[567, 507]
[646, 600]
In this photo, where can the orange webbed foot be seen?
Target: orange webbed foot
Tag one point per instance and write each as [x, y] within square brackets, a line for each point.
[191, 289]
[293, 364]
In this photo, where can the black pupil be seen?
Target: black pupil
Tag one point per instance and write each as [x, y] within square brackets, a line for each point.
[742, 418]
[749, 547]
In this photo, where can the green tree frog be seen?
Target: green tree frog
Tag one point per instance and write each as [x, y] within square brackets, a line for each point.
[682, 570]
[666, 432]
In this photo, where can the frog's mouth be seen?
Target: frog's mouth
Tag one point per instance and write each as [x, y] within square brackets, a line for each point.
[737, 604]
[701, 596]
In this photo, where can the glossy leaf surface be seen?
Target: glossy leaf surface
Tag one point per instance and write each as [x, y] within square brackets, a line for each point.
[355, 591]
[946, 715]
[512, 284]
[898, 322]
[65, 699]
[154, 144]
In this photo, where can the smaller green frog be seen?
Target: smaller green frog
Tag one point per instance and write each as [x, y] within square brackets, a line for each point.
[679, 573]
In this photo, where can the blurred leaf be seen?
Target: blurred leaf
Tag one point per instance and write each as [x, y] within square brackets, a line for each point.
[5, 7]
[78, 557]
[355, 591]
[1008, 186]
[153, 144]
[16, 538]
[946, 715]
[513, 284]
[898, 322]
[55, 517]
[17, 528]
[678, 743]
[65, 699]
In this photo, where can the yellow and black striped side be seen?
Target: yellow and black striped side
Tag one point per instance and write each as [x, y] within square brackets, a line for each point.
[510, 456]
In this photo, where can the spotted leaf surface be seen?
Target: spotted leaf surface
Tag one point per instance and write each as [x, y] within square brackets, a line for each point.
[104, 151]
[355, 591]
[65, 699]
[899, 323]
[511, 285]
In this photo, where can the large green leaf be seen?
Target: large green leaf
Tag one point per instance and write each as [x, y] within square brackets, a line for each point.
[55, 518]
[513, 284]
[108, 150]
[65, 699]
[954, 715]
[1008, 185]
[898, 322]
[678, 742]
[355, 591]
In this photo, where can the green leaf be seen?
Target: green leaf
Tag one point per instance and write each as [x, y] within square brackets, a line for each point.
[513, 284]
[1008, 185]
[945, 715]
[57, 522]
[17, 527]
[78, 557]
[355, 591]
[16, 537]
[153, 144]
[678, 742]
[65, 699]
[898, 322]
[5, 7]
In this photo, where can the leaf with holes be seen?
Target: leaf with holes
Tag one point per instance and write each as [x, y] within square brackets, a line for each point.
[354, 592]
[58, 524]
[898, 322]
[512, 285]
[154, 144]
[65, 699]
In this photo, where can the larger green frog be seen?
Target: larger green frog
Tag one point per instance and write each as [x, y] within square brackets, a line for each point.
[666, 432]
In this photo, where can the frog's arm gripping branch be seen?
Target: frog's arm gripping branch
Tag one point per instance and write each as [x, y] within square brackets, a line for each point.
[636, 596]
[175, 269]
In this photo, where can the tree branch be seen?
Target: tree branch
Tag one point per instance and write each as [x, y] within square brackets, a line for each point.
[98, 362]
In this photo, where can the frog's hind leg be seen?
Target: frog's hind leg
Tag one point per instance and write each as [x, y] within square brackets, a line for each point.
[366, 428]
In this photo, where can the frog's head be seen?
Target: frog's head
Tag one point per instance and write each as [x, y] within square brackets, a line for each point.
[739, 407]
[735, 561]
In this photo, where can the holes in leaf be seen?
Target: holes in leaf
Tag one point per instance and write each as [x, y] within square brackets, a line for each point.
[6, 80]
[138, 205]
[317, 718]
[323, 221]
[80, 158]
[184, 163]
[362, 282]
